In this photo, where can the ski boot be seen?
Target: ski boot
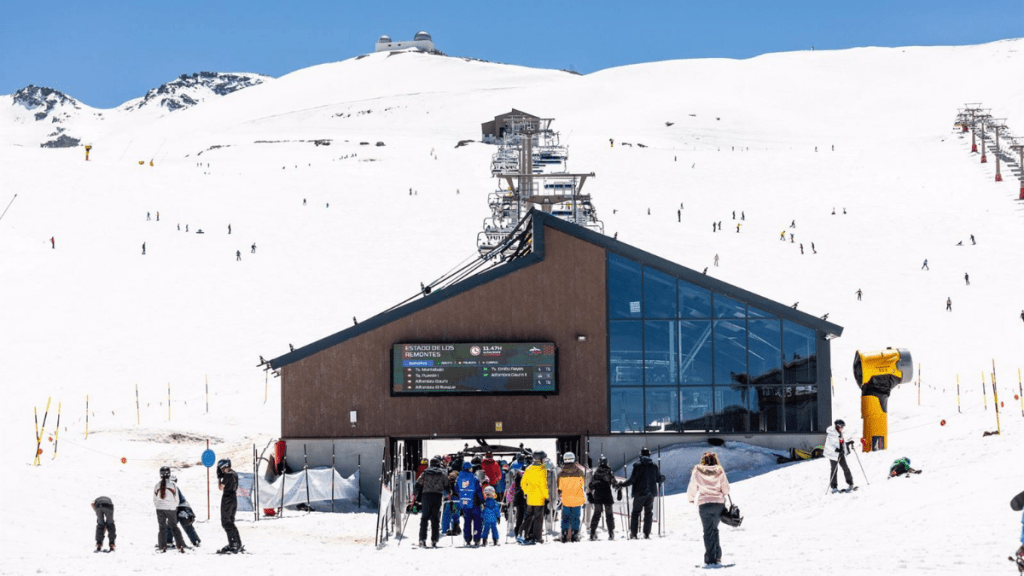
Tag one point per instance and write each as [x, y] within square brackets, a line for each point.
[483, 543]
[611, 534]
[593, 535]
[565, 536]
[495, 543]
[423, 544]
[181, 549]
[112, 547]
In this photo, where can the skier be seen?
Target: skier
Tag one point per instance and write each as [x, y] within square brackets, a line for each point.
[491, 516]
[714, 227]
[949, 304]
[812, 248]
[705, 270]
[835, 451]
[738, 227]
[570, 489]
[679, 215]
[253, 251]
[743, 215]
[471, 497]
[143, 248]
[303, 201]
[801, 248]
[535, 487]
[227, 483]
[833, 210]
[186, 227]
[782, 236]
[733, 214]
[601, 496]
[518, 497]
[147, 216]
[238, 255]
[859, 293]
[229, 228]
[790, 237]
[967, 279]
[972, 240]
[165, 498]
[492, 470]
[792, 224]
[708, 487]
[925, 265]
[429, 491]
[157, 215]
[902, 467]
[644, 479]
[1022, 314]
[104, 508]
[186, 517]
[1017, 504]
[53, 243]
[716, 259]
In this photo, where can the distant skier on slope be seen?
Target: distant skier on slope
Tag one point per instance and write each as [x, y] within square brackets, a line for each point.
[949, 304]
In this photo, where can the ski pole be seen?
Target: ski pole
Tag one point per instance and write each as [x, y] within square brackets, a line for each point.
[42, 432]
[861, 467]
[56, 432]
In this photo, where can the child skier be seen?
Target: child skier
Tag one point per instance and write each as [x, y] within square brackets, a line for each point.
[491, 516]
[470, 499]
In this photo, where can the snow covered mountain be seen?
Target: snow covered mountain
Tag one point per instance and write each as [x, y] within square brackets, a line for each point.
[857, 146]
[188, 90]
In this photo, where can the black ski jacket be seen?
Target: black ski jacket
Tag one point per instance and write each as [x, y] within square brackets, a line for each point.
[432, 481]
[645, 478]
[601, 485]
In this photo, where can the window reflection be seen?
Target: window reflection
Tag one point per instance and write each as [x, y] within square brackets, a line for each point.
[696, 411]
[625, 362]
[662, 409]
[694, 352]
[660, 352]
[766, 409]
[801, 408]
[764, 353]
[623, 288]
[730, 352]
[801, 353]
[627, 410]
[726, 307]
[694, 301]
[659, 294]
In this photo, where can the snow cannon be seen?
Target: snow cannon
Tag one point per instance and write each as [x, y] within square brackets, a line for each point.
[877, 373]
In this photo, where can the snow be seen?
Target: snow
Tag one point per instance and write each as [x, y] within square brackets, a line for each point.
[94, 317]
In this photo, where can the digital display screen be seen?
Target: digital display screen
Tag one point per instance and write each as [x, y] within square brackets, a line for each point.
[473, 368]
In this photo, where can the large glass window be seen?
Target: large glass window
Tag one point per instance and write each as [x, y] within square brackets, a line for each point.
[694, 301]
[623, 288]
[696, 409]
[659, 294]
[731, 408]
[695, 352]
[627, 410]
[685, 358]
[662, 409]
[626, 359]
[660, 352]
[730, 352]
[764, 352]
[801, 353]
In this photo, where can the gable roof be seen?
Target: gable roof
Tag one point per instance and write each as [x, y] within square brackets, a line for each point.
[540, 220]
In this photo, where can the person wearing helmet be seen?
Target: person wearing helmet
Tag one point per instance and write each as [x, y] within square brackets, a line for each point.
[471, 499]
[186, 517]
[570, 490]
[228, 485]
[430, 489]
[835, 451]
[535, 488]
[515, 492]
[644, 479]
[601, 493]
[165, 498]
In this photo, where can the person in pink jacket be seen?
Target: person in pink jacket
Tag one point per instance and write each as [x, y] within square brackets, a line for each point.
[709, 486]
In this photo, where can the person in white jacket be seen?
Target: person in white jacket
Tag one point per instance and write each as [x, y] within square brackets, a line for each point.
[835, 451]
[709, 486]
[165, 498]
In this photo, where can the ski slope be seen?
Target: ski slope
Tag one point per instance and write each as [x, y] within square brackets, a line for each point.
[94, 317]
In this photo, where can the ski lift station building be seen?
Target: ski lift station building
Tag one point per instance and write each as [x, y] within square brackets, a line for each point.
[640, 351]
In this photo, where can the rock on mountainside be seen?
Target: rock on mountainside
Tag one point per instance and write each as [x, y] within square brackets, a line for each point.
[44, 101]
[188, 90]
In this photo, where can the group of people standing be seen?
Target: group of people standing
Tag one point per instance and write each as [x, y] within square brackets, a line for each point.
[481, 490]
[173, 509]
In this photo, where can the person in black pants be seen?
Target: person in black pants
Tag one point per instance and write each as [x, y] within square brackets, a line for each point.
[430, 489]
[518, 498]
[104, 508]
[601, 498]
[228, 484]
[644, 479]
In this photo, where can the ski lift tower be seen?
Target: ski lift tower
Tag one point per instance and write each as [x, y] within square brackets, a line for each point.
[973, 109]
[982, 119]
[997, 124]
[1019, 147]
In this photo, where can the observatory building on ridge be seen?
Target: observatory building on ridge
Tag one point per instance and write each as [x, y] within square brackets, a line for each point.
[421, 40]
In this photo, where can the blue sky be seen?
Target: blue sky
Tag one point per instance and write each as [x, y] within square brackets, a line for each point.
[105, 53]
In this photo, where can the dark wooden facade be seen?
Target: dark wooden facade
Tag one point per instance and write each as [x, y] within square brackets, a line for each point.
[556, 299]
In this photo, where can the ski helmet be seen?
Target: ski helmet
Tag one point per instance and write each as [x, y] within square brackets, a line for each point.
[528, 460]
[569, 458]
[603, 461]
[224, 463]
[539, 456]
[840, 423]
[435, 462]
[165, 472]
[645, 451]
